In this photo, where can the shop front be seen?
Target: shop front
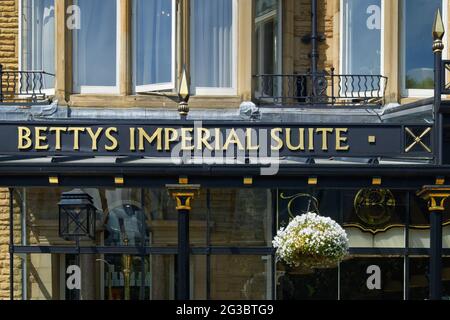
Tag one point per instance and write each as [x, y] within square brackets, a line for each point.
[187, 210]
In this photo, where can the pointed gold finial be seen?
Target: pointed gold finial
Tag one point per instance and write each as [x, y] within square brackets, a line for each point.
[183, 94]
[438, 26]
[438, 33]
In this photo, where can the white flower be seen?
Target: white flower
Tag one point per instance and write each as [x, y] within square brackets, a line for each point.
[311, 240]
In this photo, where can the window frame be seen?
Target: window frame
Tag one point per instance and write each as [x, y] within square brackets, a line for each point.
[154, 86]
[278, 14]
[218, 91]
[21, 11]
[343, 50]
[83, 89]
[415, 93]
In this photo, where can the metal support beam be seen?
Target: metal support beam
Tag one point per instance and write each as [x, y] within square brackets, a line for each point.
[435, 196]
[314, 38]
[183, 195]
[435, 255]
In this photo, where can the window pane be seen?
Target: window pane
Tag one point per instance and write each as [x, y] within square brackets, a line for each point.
[95, 44]
[417, 26]
[212, 43]
[375, 218]
[362, 37]
[153, 41]
[241, 217]
[418, 278]
[267, 44]
[38, 38]
[372, 279]
[298, 284]
[239, 277]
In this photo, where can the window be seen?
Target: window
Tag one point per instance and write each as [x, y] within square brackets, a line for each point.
[417, 57]
[362, 45]
[96, 47]
[268, 43]
[213, 47]
[38, 38]
[154, 44]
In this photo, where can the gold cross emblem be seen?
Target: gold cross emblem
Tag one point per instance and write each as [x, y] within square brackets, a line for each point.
[418, 139]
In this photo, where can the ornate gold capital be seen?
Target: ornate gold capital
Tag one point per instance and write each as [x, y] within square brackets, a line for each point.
[183, 194]
[183, 200]
[435, 196]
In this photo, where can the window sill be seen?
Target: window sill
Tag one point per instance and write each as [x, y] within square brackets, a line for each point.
[169, 100]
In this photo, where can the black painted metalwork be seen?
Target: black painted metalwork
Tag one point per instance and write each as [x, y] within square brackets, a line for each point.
[76, 215]
[314, 38]
[444, 82]
[23, 87]
[183, 255]
[321, 88]
[436, 255]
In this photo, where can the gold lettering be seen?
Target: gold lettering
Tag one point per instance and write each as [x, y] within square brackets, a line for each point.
[311, 139]
[340, 139]
[324, 132]
[57, 131]
[24, 141]
[301, 142]
[170, 135]
[233, 139]
[40, 138]
[217, 139]
[274, 133]
[185, 138]
[249, 132]
[143, 135]
[132, 139]
[203, 136]
[76, 136]
[94, 137]
[111, 138]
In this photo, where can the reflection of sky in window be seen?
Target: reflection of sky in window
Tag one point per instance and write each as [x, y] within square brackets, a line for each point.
[153, 41]
[419, 22]
[96, 43]
[363, 43]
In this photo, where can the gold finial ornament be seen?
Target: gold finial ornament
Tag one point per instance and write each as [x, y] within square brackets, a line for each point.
[183, 94]
[438, 32]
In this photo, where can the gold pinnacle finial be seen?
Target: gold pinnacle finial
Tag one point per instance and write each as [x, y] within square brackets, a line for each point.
[438, 27]
[183, 94]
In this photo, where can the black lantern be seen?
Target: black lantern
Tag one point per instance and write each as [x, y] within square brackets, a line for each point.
[76, 215]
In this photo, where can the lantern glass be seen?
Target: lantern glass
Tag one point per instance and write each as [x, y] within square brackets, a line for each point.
[76, 216]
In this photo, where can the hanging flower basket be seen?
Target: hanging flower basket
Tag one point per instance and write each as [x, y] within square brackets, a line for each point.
[311, 241]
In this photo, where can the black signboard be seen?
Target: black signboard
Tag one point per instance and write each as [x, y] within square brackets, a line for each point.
[168, 139]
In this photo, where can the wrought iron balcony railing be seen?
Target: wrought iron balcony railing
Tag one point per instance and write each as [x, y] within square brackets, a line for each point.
[325, 88]
[25, 87]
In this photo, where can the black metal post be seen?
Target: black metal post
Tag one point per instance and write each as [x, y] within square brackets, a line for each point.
[436, 255]
[78, 263]
[183, 254]
[438, 132]
[183, 194]
[314, 38]
[438, 47]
